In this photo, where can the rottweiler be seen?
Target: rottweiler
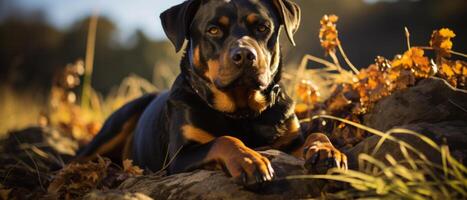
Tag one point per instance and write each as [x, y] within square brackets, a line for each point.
[226, 103]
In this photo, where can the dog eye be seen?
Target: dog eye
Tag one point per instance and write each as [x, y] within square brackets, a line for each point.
[262, 28]
[214, 30]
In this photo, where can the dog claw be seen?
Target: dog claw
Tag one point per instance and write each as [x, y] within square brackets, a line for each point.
[272, 173]
[259, 179]
[332, 162]
[334, 159]
[244, 178]
[314, 158]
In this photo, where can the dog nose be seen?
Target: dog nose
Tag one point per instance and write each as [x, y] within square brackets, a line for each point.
[243, 56]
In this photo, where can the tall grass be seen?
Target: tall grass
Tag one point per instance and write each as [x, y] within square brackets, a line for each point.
[413, 177]
[89, 60]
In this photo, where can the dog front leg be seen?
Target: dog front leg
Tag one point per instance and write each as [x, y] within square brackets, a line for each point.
[241, 162]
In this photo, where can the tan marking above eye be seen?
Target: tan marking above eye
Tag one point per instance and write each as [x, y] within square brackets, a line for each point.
[195, 134]
[252, 18]
[224, 20]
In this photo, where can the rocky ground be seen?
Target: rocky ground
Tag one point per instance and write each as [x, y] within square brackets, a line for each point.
[30, 158]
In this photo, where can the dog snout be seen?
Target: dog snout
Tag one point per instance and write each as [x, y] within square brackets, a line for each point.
[243, 56]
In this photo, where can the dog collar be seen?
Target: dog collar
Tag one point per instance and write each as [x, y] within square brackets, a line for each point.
[200, 87]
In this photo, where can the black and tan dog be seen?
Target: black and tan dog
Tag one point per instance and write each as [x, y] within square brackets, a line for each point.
[225, 103]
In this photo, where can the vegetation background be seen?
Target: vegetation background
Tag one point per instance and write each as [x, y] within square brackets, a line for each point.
[43, 82]
[33, 52]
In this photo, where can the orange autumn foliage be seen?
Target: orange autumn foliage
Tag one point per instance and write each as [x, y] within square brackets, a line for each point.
[352, 100]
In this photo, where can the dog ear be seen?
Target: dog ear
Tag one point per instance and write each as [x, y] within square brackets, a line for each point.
[290, 16]
[176, 22]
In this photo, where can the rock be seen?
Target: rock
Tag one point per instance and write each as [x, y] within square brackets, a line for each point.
[432, 100]
[205, 184]
[432, 108]
[115, 195]
[452, 133]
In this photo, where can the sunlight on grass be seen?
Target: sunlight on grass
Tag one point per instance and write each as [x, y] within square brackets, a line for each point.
[13, 115]
[411, 175]
[411, 178]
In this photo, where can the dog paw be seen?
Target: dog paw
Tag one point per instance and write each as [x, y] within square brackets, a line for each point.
[320, 157]
[245, 165]
[250, 168]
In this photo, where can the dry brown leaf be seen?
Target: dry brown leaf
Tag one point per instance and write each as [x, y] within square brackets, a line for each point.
[352, 100]
[455, 72]
[328, 35]
[307, 92]
[129, 168]
[77, 178]
[441, 41]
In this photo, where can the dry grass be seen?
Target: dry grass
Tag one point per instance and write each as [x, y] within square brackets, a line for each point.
[414, 177]
[13, 115]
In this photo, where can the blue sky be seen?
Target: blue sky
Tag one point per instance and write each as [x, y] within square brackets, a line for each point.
[127, 14]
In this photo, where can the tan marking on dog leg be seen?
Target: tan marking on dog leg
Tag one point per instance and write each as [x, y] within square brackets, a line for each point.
[192, 133]
[128, 148]
[238, 158]
[293, 130]
[119, 140]
[310, 141]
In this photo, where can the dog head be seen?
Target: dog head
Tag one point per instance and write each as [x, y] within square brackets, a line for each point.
[233, 44]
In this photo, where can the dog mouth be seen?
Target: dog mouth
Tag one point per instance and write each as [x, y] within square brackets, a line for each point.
[249, 79]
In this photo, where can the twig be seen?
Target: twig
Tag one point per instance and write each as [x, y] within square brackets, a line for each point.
[89, 60]
[37, 169]
[34, 162]
[341, 50]
[10, 168]
[450, 51]
[407, 36]
[165, 159]
[301, 69]
[336, 61]
[170, 161]
[320, 60]
[458, 53]
[457, 105]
